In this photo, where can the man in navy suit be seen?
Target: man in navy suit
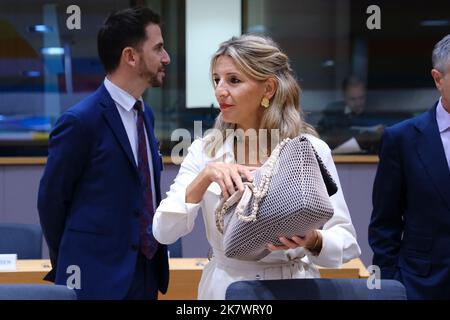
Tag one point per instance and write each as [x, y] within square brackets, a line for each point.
[102, 179]
[409, 230]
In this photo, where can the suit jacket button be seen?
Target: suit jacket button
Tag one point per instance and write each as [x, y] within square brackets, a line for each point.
[137, 213]
[134, 247]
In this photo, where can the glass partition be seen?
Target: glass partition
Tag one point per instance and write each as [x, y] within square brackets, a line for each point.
[355, 80]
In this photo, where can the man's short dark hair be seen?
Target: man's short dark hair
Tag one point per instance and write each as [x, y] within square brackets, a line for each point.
[351, 81]
[125, 28]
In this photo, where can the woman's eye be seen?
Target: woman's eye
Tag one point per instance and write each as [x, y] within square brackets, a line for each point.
[216, 81]
[235, 80]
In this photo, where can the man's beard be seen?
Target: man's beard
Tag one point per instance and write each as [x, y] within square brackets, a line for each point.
[153, 80]
[150, 77]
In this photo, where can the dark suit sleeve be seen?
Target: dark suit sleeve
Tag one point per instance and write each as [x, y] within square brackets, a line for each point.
[386, 224]
[67, 155]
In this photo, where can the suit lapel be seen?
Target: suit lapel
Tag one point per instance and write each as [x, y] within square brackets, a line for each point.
[112, 116]
[114, 121]
[432, 155]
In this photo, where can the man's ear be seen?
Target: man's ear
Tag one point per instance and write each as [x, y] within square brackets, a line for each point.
[129, 56]
[271, 86]
[437, 76]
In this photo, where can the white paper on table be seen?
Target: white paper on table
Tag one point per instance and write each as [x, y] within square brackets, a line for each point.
[8, 262]
[374, 128]
[349, 146]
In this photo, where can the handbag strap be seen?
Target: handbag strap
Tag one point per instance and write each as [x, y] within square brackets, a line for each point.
[330, 184]
[242, 196]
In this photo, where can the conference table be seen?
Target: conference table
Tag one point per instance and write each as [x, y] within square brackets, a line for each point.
[185, 274]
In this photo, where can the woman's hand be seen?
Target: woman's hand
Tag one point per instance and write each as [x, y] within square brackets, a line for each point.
[312, 241]
[228, 176]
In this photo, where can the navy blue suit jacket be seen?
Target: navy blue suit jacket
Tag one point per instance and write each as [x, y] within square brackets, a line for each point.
[409, 230]
[90, 198]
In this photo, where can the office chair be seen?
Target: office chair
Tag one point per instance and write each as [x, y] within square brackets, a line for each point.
[36, 292]
[314, 289]
[23, 239]
[175, 249]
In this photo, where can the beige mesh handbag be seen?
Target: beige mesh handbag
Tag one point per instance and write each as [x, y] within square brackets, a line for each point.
[289, 195]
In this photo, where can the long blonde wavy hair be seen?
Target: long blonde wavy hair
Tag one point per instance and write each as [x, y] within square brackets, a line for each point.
[260, 58]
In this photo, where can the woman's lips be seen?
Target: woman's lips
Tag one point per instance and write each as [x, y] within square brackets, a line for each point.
[225, 106]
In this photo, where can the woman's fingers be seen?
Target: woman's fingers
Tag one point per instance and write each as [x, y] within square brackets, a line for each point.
[229, 177]
[289, 243]
[273, 247]
[299, 241]
[224, 189]
[294, 242]
[237, 179]
[228, 182]
[248, 168]
[233, 179]
[247, 172]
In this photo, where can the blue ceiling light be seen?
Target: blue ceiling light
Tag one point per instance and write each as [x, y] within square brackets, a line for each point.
[31, 73]
[257, 29]
[52, 51]
[328, 63]
[40, 28]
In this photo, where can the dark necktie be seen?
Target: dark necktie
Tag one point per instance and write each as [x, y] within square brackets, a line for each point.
[148, 244]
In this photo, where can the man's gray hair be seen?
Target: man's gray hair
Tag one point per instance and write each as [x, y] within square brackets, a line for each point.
[441, 54]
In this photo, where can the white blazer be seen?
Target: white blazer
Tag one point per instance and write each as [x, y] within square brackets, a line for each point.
[175, 218]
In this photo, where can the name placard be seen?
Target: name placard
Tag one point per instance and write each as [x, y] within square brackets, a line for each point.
[8, 262]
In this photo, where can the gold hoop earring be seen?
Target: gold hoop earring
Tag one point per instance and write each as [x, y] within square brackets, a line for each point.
[265, 102]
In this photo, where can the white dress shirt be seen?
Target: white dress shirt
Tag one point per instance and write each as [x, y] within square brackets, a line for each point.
[175, 218]
[125, 103]
[443, 121]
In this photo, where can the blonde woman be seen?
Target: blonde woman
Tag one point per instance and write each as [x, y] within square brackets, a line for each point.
[256, 89]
